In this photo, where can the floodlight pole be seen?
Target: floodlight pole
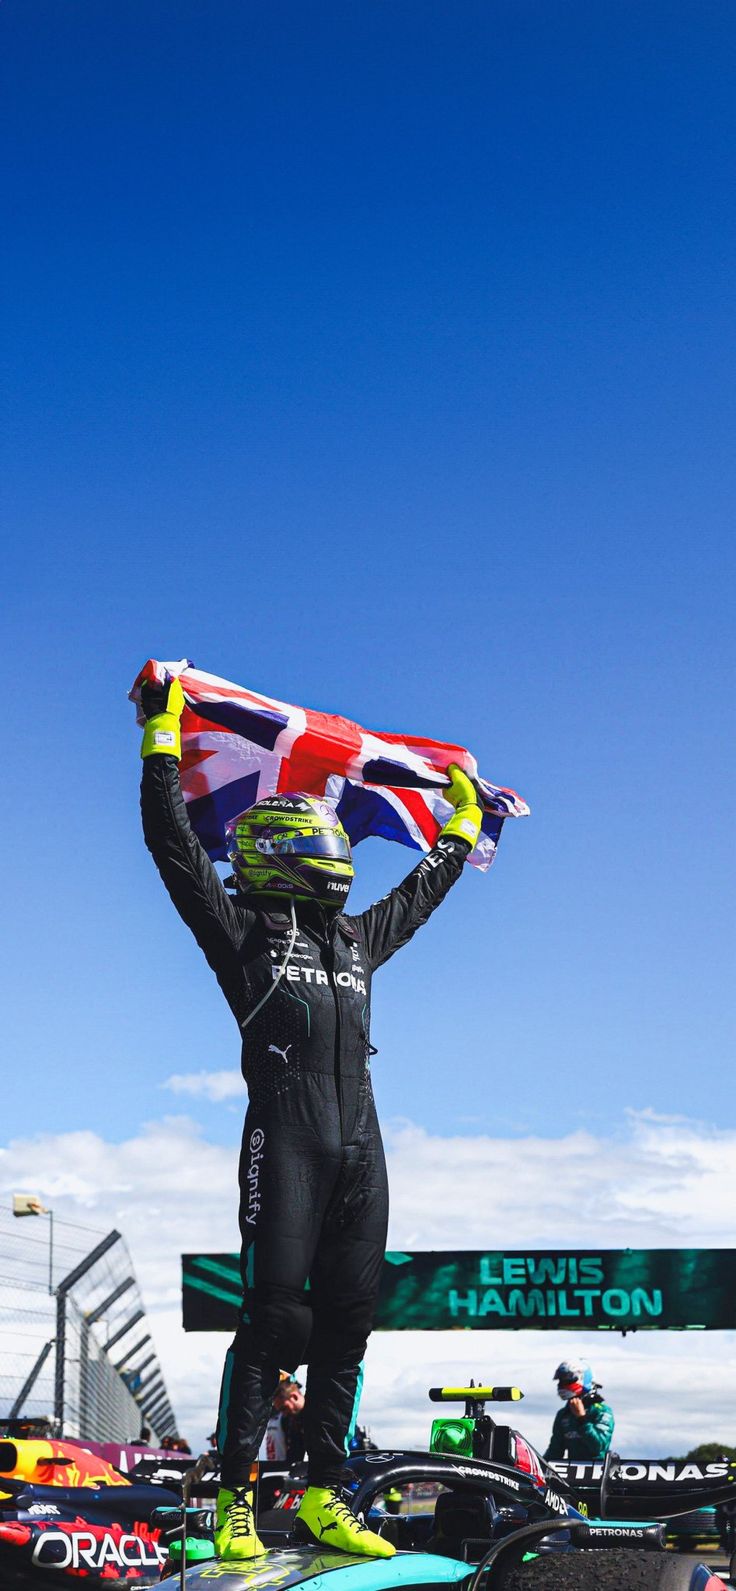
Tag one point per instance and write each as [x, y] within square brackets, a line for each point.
[30, 1204]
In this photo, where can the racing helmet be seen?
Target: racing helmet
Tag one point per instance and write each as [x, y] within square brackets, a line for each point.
[292, 845]
[573, 1380]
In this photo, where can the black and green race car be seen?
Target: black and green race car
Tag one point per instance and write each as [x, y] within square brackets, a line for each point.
[493, 1517]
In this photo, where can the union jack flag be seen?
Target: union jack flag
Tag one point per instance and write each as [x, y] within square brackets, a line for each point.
[239, 746]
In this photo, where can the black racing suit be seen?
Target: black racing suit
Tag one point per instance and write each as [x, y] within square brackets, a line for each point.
[313, 1188]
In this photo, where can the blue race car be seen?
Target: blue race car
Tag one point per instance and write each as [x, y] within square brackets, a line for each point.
[67, 1515]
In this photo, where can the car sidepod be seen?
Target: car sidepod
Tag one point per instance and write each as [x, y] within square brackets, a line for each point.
[54, 1537]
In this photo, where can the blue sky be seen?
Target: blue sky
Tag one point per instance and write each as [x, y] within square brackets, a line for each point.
[379, 357]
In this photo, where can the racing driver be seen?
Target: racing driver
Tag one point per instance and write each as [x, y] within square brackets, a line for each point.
[296, 973]
[583, 1427]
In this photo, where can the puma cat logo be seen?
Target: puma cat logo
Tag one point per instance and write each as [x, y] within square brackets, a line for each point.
[273, 1049]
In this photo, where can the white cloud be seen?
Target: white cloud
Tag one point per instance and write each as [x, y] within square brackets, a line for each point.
[669, 1391]
[657, 1181]
[215, 1086]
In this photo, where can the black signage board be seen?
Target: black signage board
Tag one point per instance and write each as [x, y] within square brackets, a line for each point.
[537, 1290]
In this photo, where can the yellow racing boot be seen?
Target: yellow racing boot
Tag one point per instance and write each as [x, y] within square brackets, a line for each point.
[235, 1526]
[323, 1517]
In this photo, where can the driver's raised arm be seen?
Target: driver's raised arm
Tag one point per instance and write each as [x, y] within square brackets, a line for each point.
[390, 924]
[193, 883]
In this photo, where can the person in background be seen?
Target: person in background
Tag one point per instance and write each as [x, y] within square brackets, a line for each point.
[290, 1402]
[583, 1427]
[284, 1442]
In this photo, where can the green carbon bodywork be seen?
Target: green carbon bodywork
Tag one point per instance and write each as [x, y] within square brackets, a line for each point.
[328, 1571]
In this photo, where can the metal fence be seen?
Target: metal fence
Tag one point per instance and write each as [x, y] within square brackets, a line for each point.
[74, 1342]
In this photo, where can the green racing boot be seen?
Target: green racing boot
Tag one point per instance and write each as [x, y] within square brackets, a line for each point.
[323, 1517]
[235, 1526]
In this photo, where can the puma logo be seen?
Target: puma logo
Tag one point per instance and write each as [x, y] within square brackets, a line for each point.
[331, 1525]
[273, 1049]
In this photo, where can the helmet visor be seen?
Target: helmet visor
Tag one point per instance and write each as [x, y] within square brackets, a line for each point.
[567, 1388]
[328, 844]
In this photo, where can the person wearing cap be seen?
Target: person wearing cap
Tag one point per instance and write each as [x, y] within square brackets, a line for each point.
[583, 1427]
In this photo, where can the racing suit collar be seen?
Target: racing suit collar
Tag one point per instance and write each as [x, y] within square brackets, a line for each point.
[310, 915]
[276, 921]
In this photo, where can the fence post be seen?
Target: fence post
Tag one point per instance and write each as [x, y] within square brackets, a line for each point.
[84, 1426]
[53, 1351]
[118, 1365]
[62, 1292]
[31, 1380]
[60, 1362]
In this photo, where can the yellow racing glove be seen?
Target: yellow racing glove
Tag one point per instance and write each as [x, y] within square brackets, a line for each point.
[466, 820]
[163, 706]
